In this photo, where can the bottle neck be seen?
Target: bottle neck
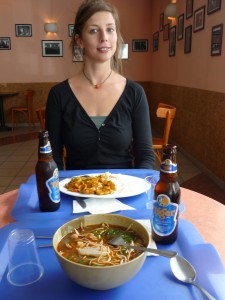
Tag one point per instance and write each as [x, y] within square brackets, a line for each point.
[166, 176]
[44, 148]
[168, 166]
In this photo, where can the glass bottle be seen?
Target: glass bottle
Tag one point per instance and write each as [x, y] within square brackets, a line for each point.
[47, 176]
[167, 199]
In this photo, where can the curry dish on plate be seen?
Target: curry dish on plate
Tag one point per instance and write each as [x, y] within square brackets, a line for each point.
[98, 185]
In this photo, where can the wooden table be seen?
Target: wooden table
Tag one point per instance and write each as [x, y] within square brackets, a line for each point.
[4, 94]
[206, 214]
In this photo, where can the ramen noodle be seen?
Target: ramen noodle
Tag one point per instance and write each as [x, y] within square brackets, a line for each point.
[89, 245]
[99, 184]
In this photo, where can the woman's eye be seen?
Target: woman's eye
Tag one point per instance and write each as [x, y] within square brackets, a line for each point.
[110, 29]
[94, 30]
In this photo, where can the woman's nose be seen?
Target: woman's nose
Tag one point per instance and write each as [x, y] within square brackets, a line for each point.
[104, 36]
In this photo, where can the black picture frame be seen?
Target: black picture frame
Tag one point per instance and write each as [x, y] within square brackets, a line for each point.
[23, 30]
[188, 39]
[52, 48]
[155, 43]
[5, 43]
[161, 22]
[140, 45]
[189, 8]
[70, 29]
[199, 19]
[213, 6]
[172, 41]
[180, 27]
[166, 32]
[216, 40]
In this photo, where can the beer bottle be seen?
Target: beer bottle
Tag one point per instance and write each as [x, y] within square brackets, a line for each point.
[47, 176]
[167, 199]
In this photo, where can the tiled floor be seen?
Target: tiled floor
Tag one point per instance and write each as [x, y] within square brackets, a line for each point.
[18, 159]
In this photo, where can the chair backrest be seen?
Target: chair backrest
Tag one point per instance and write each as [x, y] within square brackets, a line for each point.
[168, 112]
[41, 116]
[29, 94]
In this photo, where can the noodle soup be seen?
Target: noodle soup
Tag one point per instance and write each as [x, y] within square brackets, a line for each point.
[100, 274]
[89, 245]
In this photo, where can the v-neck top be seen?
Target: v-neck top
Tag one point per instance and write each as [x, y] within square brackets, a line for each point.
[125, 131]
[97, 120]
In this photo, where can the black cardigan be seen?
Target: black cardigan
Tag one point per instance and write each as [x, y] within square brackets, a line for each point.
[125, 131]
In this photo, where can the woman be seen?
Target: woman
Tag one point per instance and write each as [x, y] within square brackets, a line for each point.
[100, 117]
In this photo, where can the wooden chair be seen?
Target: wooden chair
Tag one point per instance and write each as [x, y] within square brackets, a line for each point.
[168, 112]
[41, 116]
[27, 109]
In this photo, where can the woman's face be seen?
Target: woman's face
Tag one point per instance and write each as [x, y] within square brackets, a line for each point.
[99, 37]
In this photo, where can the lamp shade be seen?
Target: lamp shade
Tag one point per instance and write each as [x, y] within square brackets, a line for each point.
[170, 10]
[51, 27]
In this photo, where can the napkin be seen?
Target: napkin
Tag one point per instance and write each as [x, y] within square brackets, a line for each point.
[100, 206]
[152, 244]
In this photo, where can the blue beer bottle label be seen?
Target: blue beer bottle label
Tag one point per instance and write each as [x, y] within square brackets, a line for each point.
[53, 186]
[46, 148]
[164, 215]
[167, 166]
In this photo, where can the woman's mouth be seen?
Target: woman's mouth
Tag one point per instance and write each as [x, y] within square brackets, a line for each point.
[103, 49]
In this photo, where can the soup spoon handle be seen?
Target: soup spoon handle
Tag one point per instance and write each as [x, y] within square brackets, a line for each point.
[207, 294]
[165, 253]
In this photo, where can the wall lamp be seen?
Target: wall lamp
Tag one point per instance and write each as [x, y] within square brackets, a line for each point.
[170, 10]
[51, 27]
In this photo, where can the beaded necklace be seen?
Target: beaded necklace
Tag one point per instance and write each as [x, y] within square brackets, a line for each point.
[98, 85]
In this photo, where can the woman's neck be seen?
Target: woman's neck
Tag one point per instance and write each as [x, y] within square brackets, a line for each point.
[97, 76]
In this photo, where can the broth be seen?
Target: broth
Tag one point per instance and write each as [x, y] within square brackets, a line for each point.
[89, 245]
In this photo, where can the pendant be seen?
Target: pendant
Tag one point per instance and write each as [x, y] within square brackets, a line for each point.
[97, 86]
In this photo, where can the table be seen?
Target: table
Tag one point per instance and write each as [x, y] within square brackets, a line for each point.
[208, 216]
[4, 94]
[201, 255]
[197, 207]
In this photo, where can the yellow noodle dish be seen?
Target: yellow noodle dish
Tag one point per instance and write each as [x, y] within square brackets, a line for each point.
[89, 245]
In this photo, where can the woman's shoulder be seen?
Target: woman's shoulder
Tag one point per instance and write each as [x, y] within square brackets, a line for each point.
[61, 86]
[134, 85]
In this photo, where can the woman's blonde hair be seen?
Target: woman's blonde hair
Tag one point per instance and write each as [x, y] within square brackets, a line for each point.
[85, 11]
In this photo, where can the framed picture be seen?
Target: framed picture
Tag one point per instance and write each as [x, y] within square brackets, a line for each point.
[52, 48]
[180, 28]
[161, 22]
[70, 29]
[123, 54]
[189, 8]
[172, 41]
[188, 39]
[5, 43]
[199, 19]
[216, 44]
[213, 6]
[139, 45]
[166, 32]
[78, 54]
[23, 30]
[155, 41]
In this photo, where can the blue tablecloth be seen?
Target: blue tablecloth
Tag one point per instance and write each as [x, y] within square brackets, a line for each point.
[154, 281]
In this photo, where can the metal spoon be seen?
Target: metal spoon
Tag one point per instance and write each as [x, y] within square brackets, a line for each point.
[185, 272]
[119, 241]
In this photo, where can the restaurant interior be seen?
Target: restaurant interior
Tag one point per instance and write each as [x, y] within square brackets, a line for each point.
[174, 49]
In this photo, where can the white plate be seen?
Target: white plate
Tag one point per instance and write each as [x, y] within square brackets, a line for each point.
[129, 186]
